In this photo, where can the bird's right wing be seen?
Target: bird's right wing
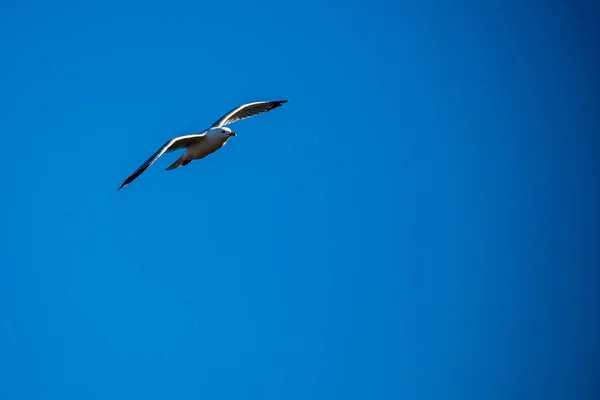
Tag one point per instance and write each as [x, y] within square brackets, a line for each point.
[172, 145]
[246, 111]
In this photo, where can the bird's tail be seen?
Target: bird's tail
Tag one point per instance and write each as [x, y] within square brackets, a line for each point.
[180, 161]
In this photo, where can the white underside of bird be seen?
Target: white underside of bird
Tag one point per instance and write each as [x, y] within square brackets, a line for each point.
[202, 144]
[211, 142]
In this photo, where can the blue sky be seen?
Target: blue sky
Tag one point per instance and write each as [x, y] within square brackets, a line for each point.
[419, 221]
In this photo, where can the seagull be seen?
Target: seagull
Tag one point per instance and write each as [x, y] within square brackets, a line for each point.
[199, 145]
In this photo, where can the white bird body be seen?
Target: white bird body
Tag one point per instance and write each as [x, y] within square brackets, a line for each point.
[212, 142]
[205, 143]
[202, 144]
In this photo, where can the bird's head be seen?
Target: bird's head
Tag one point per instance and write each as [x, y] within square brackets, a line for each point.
[223, 130]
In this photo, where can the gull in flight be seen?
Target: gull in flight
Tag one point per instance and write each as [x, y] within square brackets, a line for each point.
[199, 145]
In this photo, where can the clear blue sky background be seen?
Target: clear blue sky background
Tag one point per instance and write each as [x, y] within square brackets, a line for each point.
[420, 221]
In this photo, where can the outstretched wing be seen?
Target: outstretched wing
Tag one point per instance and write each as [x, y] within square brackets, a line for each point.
[246, 111]
[172, 145]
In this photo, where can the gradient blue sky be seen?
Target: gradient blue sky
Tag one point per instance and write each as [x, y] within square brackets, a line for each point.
[420, 221]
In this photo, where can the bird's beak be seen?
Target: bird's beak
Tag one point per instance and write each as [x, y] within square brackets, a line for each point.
[233, 134]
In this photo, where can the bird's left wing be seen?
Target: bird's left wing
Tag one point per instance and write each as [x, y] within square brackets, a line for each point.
[172, 145]
[247, 110]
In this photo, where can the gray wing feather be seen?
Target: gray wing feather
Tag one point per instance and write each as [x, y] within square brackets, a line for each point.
[247, 110]
[172, 145]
